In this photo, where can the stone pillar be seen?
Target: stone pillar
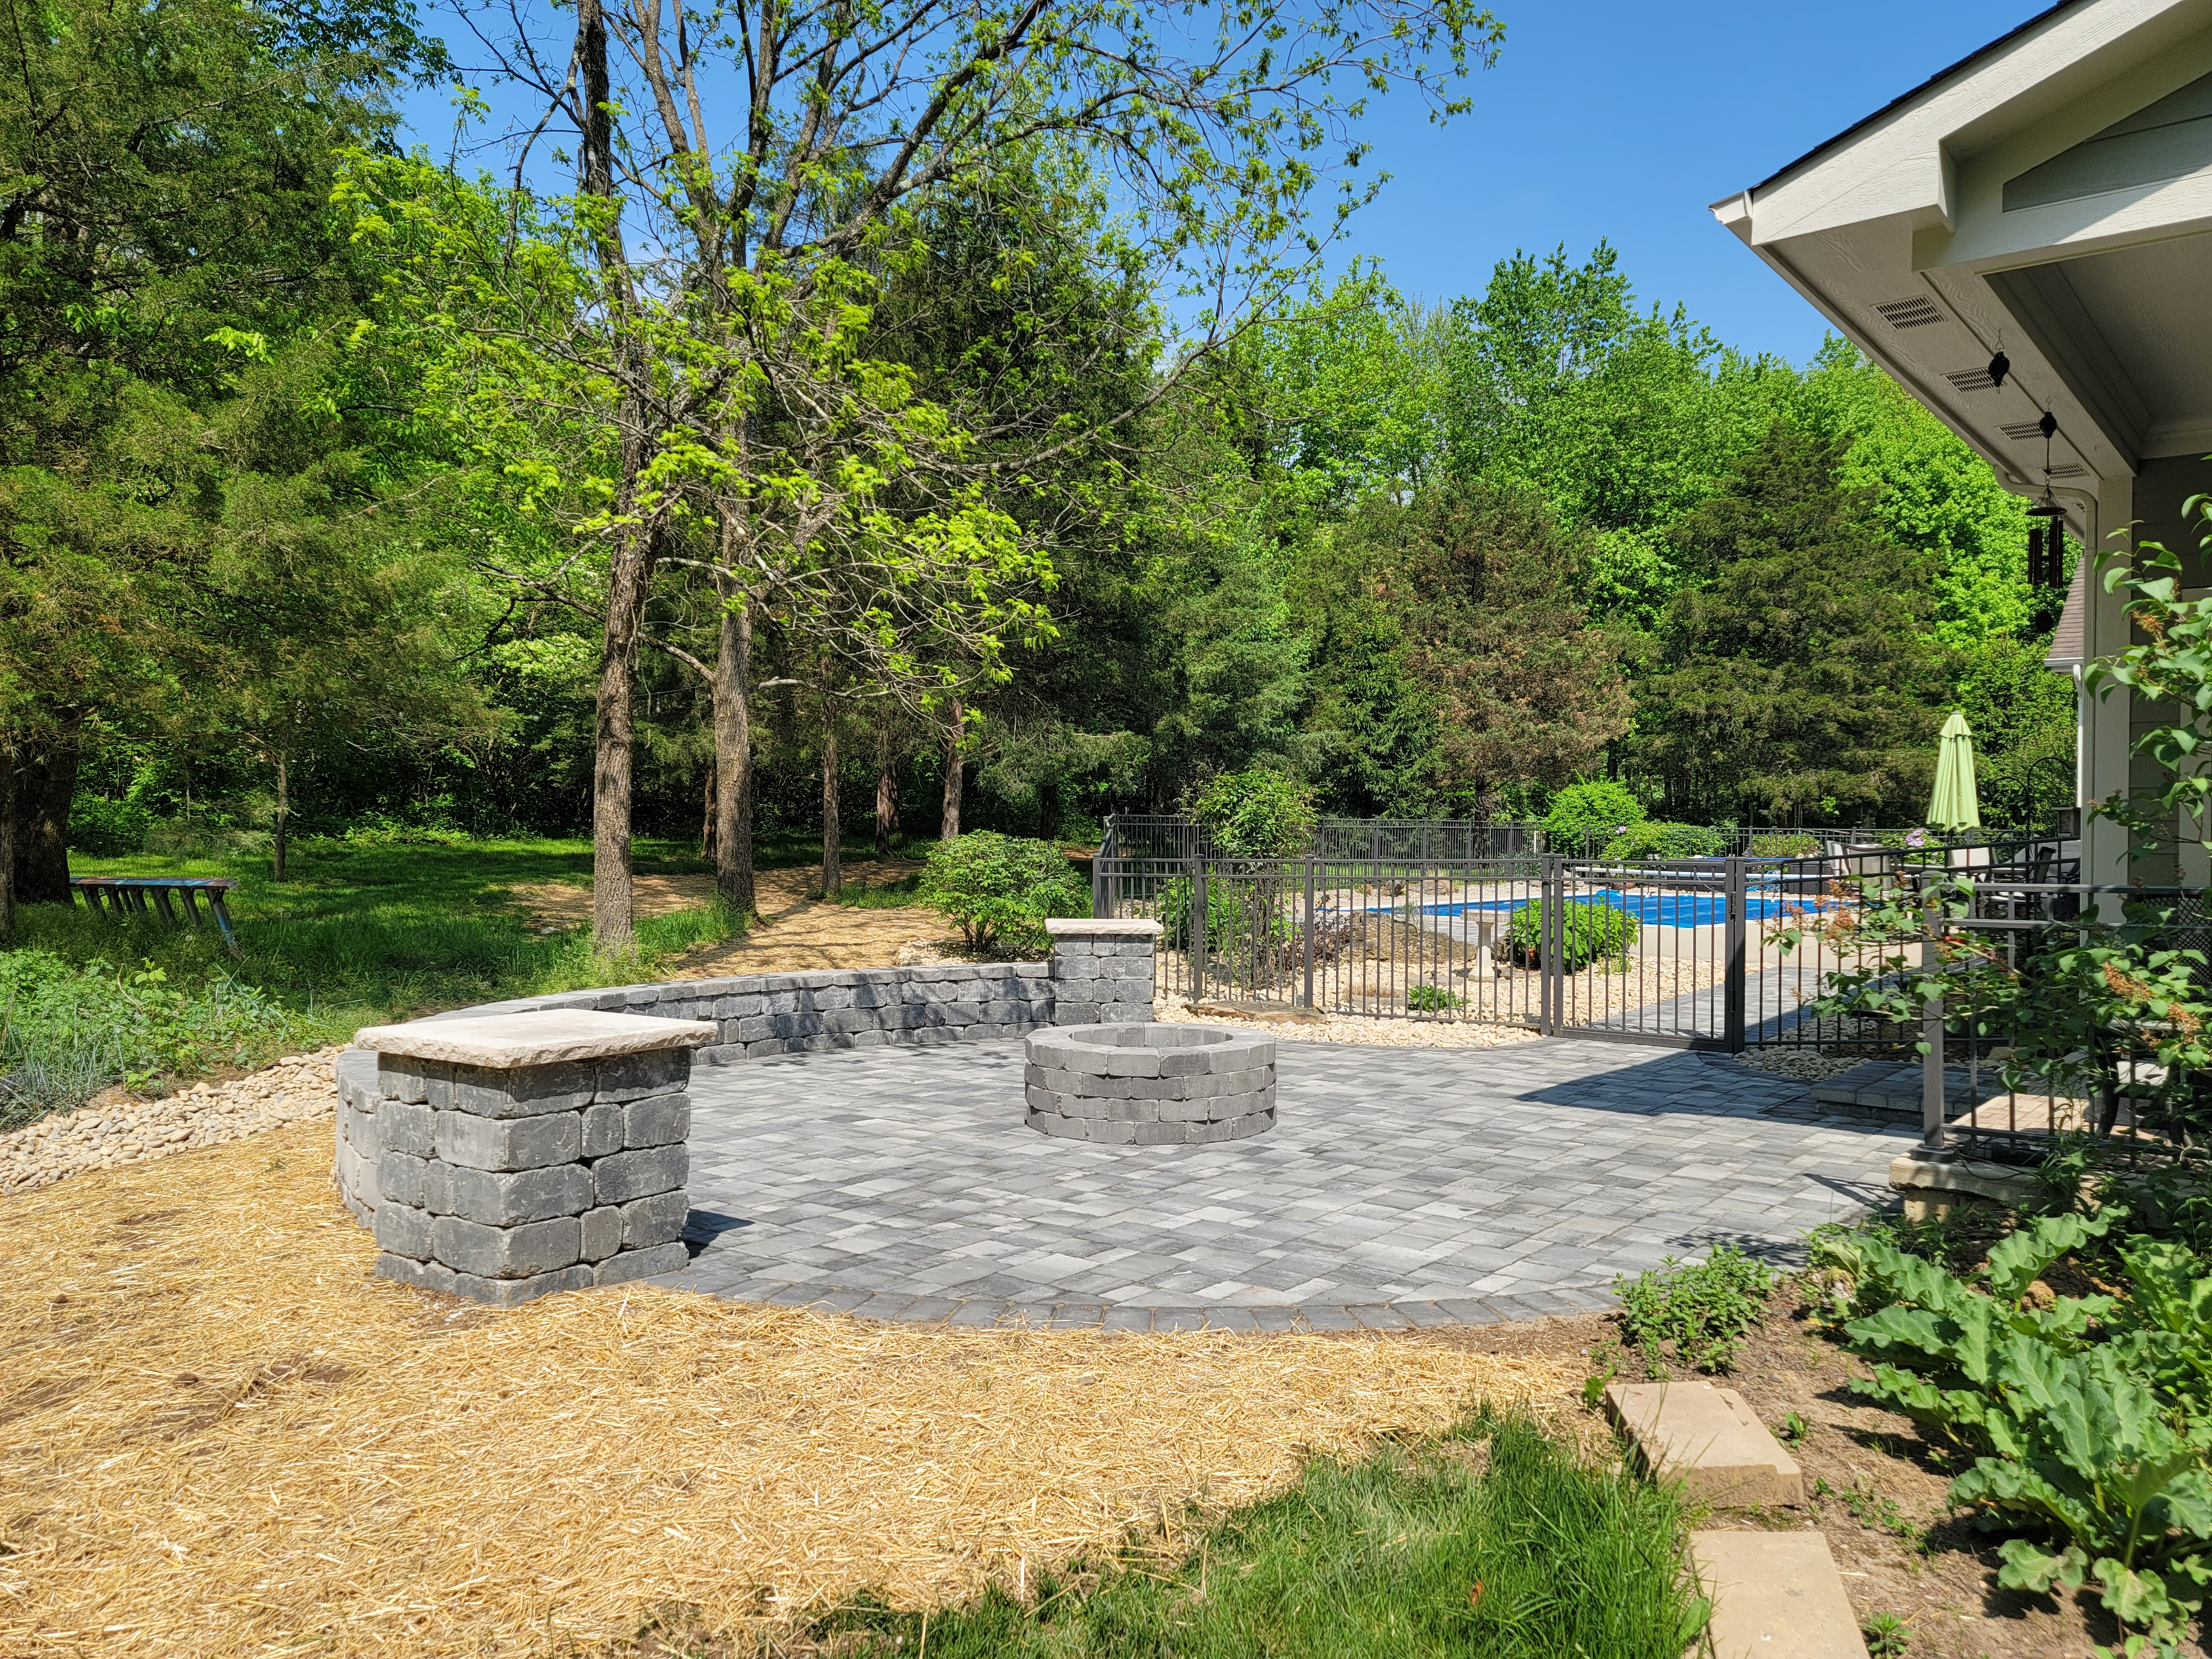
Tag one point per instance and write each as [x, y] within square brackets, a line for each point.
[522, 1154]
[1102, 971]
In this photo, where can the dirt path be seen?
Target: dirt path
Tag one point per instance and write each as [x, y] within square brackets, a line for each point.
[795, 933]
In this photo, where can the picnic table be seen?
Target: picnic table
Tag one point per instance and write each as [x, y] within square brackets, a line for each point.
[127, 896]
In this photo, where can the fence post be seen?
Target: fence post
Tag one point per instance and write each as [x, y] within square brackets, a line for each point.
[1551, 986]
[1198, 930]
[1307, 1001]
[1934, 1144]
[1099, 911]
[1732, 994]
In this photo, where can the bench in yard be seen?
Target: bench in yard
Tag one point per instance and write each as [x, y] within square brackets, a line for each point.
[127, 896]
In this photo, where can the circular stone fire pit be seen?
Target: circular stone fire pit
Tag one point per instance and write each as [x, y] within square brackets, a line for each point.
[1150, 1085]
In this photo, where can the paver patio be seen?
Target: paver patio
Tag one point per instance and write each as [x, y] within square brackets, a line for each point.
[1401, 1187]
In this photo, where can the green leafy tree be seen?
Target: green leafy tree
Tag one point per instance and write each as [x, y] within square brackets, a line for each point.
[1484, 582]
[164, 176]
[768, 230]
[1796, 680]
[1624, 420]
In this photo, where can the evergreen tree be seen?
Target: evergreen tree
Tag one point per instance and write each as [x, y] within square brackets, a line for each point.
[1795, 680]
[1483, 583]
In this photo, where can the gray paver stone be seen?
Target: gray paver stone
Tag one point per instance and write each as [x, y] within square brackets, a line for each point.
[404, 1126]
[659, 1121]
[514, 1293]
[508, 1143]
[643, 1264]
[536, 1247]
[655, 1220]
[639, 1173]
[524, 1092]
[601, 1233]
[423, 1275]
[403, 1230]
[508, 1200]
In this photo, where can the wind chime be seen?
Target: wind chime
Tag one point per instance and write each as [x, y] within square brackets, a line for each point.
[2046, 538]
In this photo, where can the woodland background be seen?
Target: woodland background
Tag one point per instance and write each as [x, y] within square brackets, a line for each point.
[285, 552]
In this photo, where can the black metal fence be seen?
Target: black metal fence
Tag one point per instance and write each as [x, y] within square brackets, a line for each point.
[1976, 1094]
[1721, 953]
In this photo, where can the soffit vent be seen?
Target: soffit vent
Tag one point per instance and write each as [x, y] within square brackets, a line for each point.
[1973, 379]
[2068, 470]
[2023, 433]
[1919, 312]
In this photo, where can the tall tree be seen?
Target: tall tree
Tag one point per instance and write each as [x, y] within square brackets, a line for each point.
[1796, 679]
[164, 177]
[1483, 580]
[1210, 127]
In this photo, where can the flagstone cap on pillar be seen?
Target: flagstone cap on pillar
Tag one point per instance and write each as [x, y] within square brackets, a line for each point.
[546, 1037]
[1108, 927]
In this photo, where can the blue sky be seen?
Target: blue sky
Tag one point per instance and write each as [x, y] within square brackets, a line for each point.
[1623, 119]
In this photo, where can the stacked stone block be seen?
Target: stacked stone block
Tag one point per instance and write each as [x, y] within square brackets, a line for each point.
[1149, 1085]
[523, 1155]
[357, 1150]
[763, 1014]
[1102, 970]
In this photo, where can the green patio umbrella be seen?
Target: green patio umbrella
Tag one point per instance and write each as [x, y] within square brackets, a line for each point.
[1954, 805]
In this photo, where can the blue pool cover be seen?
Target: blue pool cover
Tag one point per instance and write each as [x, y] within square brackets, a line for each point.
[1659, 910]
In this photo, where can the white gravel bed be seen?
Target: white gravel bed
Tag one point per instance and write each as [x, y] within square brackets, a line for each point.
[120, 1129]
[1386, 1033]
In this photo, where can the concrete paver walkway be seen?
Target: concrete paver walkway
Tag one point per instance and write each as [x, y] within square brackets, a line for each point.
[1401, 1187]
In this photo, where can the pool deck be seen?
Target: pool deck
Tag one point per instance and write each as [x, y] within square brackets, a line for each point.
[1402, 1187]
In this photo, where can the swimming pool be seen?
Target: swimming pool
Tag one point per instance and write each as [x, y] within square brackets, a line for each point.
[1658, 909]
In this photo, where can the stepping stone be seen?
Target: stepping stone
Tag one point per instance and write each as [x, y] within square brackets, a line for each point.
[1707, 1438]
[1776, 1596]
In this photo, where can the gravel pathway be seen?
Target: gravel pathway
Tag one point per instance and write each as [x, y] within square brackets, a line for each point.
[121, 1130]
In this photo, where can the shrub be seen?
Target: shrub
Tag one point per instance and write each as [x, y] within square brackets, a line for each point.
[1655, 840]
[1796, 844]
[1599, 807]
[1433, 1000]
[68, 1031]
[1259, 814]
[1588, 932]
[107, 829]
[1703, 1308]
[1000, 889]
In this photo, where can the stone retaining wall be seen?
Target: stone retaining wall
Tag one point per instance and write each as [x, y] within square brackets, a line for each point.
[1100, 972]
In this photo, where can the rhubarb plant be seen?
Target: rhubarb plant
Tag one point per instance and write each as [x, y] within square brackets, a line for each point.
[2087, 1415]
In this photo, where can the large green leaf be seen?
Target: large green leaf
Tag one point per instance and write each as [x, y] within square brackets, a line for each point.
[2018, 1261]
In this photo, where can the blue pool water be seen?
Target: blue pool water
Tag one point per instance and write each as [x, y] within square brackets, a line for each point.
[1656, 910]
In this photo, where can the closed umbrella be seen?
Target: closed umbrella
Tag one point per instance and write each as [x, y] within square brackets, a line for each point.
[1954, 805]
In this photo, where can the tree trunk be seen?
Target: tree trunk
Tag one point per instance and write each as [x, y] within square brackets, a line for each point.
[629, 576]
[886, 791]
[276, 870]
[948, 828]
[614, 919]
[733, 748]
[707, 817]
[7, 840]
[833, 871]
[1048, 812]
[45, 781]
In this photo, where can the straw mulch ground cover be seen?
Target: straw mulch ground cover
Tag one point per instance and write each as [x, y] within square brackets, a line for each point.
[218, 1437]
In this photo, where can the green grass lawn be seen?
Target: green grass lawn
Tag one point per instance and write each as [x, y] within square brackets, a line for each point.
[360, 934]
[1492, 1541]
